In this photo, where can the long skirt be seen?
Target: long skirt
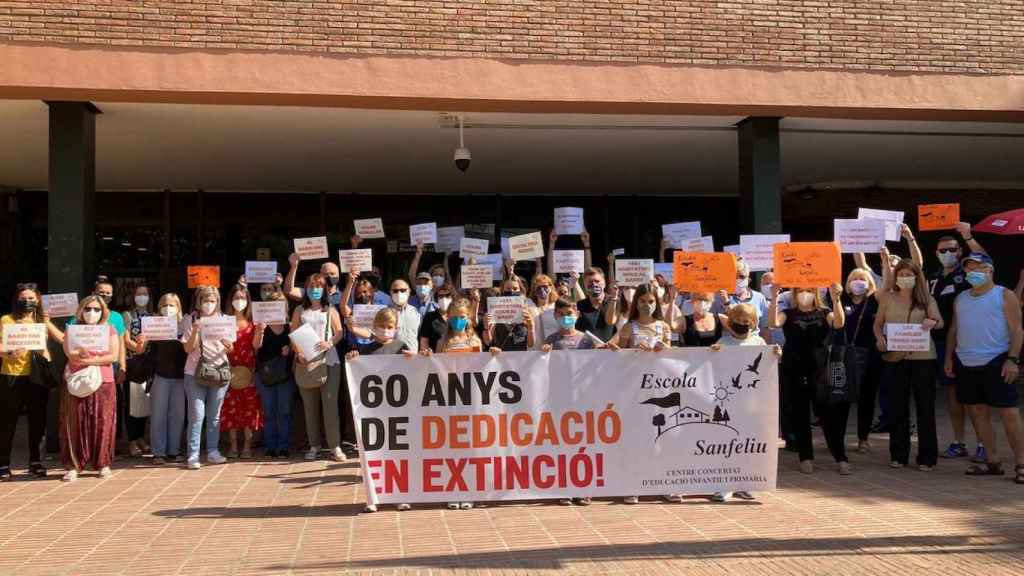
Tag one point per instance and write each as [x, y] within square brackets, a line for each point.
[88, 428]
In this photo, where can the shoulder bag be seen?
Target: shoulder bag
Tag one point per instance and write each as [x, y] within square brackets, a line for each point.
[841, 369]
[83, 382]
[43, 373]
[212, 374]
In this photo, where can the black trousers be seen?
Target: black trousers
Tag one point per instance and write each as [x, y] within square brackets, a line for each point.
[915, 378]
[17, 392]
[798, 394]
[868, 393]
[134, 428]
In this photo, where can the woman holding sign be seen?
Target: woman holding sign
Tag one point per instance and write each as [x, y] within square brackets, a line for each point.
[241, 410]
[88, 425]
[543, 297]
[903, 325]
[138, 371]
[19, 386]
[167, 394]
[274, 381]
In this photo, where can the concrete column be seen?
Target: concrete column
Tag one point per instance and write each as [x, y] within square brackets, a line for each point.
[760, 187]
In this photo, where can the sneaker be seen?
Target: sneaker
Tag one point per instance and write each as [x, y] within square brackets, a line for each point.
[313, 453]
[370, 508]
[674, 498]
[338, 454]
[743, 495]
[350, 449]
[565, 501]
[720, 497]
[925, 468]
[105, 472]
[844, 469]
[403, 507]
[5, 474]
[453, 505]
[955, 450]
[980, 455]
[70, 476]
[215, 457]
[584, 501]
[895, 464]
[465, 505]
[807, 466]
[631, 500]
[193, 463]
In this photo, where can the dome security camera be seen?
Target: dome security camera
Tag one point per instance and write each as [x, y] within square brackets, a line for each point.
[462, 158]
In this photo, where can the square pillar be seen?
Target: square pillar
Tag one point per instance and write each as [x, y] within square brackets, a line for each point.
[760, 191]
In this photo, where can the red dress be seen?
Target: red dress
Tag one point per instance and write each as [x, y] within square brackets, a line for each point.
[242, 408]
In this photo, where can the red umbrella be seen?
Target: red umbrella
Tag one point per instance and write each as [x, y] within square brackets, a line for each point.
[1005, 223]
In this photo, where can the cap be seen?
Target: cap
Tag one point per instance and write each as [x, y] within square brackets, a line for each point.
[978, 257]
[423, 276]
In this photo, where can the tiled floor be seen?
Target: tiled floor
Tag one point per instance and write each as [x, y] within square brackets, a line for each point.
[304, 518]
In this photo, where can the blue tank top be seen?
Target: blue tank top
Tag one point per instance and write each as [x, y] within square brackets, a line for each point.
[981, 330]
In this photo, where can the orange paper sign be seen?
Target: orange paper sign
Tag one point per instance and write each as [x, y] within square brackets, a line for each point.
[704, 271]
[807, 264]
[938, 216]
[203, 276]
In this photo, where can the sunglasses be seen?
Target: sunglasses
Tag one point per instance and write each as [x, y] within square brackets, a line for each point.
[948, 250]
[399, 290]
[26, 286]
[92, 309]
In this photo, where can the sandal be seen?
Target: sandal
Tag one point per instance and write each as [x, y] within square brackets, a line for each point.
[1018, 474]
[987, 469]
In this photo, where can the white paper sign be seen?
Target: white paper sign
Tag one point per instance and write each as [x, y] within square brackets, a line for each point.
[60, 305]
[472, 247]
[360, 260]
[477, 276]
[93, 338]
[363, 314]
[369, 228]
[505, 309]
[568, 261]
[526, 246]
[423, 233]
[893, 221]
[495, 261]
[219, 328]
[448, 238]
[568, 221]
[702, 244]
[273, 312]
[757, 249]
[866, 235]
[506, 252]
[732, 249]
[23, 337]
[618, 252]
[160, 328]
[634, 272]
[676, 233]
[311, 248]
[306, 340]
[260, 272]
[907, 338]
[665, 270]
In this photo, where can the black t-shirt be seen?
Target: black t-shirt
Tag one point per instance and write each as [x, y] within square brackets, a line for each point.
[170, 359]
[592, 319]
[805, 332]
[693, 337]
[272, 344]
[433, 327]
[863, 336]
[945, 288]
[510, 337]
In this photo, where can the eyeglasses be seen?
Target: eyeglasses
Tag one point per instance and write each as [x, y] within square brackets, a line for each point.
[92, 309]
[947, 250]
[26, 286]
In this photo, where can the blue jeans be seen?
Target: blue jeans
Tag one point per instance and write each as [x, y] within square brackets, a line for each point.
[277, 413]
[203, 403]
[167, 397]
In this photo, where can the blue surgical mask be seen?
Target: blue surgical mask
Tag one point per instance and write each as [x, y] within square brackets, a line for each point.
[976, 278]
[566, 322]
[458, 323]
[315, 294]
[423, 290]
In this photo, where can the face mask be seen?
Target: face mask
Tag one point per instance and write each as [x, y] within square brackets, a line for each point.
[384, 333]
[948, 259]
[906, 282]
[766, 289]
[266, 295]
[170, 311]
[660, 291]
[91, 317]
[442, 303]
[543, 293]
[315, 294]
[362, 299]
[805, 298]
[741, 285]
[141, 300]
[595, 290]
[647, 309]
[976, 278]
[106, 298]
[424, 291]
[400, 298]
[566, 322]
[208, 308]
[437, 280]
[458, 324]
[239, 304]
[703, 306]
[26, 305]
[331, 281]
[858, 287]
[741, 329]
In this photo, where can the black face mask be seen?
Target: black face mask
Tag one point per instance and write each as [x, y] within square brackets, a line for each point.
[27, 305]
[363, 299]
[106, 299]
[741, 329]
[331, 281]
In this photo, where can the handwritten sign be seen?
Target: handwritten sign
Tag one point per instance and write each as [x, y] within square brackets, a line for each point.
[23, 337]
[756, 249]
[219, 328]
[160, 328]
[369, 228]
[203, 276]
[859, 235]
[704, 271]
[91, 337]
[60, 305]
[423, 233]
[273, 312]
[363, 314]
[680, 231]
[893, 221]
[448, 238]
[666, 270]
[702, 244]
[257, 272]
[938, 216]
[311, 248]
[634, 272]
[807, 264]
[472, 247]
[360, 260]
[568, 221]
[505, 309]
[477, 276]
[568, 261]
[907, 338]
[526, 246]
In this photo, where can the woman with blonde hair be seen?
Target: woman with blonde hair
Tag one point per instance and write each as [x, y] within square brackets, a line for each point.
[167, 392]
[88, 425]
[860, 305]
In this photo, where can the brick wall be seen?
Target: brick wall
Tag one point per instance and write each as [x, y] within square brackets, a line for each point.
[897, 35]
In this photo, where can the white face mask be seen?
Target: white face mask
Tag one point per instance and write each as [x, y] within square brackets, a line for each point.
[702, 306]
[384, 333]
[442, 303]
[400, 298]
[805, 298]
[948, 259]
[858, 287]
[208, 308]
[438, 281]
[741, 285]
[766, 289]
[239, 304]
[171, 311]
[141, 300]
[906, 282]
[91, 317]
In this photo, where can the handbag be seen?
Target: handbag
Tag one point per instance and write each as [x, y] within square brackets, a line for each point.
[314, 374]
[83, 382]
[140, 367]
[273, 372]
[841, 369]
[44, 373]
[212, 375]
[139, 404]
[241, 377]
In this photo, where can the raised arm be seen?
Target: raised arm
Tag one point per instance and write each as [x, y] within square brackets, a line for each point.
[862, 262]
[289, 288]
[915, 250]
[552, 238]
[837, 317]
[588, 259]
[414, 267]
[346, 296]
[964, 228]
[775, 318]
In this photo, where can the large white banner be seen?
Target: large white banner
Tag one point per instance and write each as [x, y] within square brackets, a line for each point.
[529, 425]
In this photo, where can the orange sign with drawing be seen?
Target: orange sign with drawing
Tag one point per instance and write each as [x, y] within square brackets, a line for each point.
[938, 216]
[704, 271]
[807, 264]
[203, 276]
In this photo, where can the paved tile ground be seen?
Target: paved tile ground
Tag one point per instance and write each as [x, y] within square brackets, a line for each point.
[275, 517]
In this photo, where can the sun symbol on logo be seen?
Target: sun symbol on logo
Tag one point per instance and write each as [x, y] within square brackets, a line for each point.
[721, 393]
